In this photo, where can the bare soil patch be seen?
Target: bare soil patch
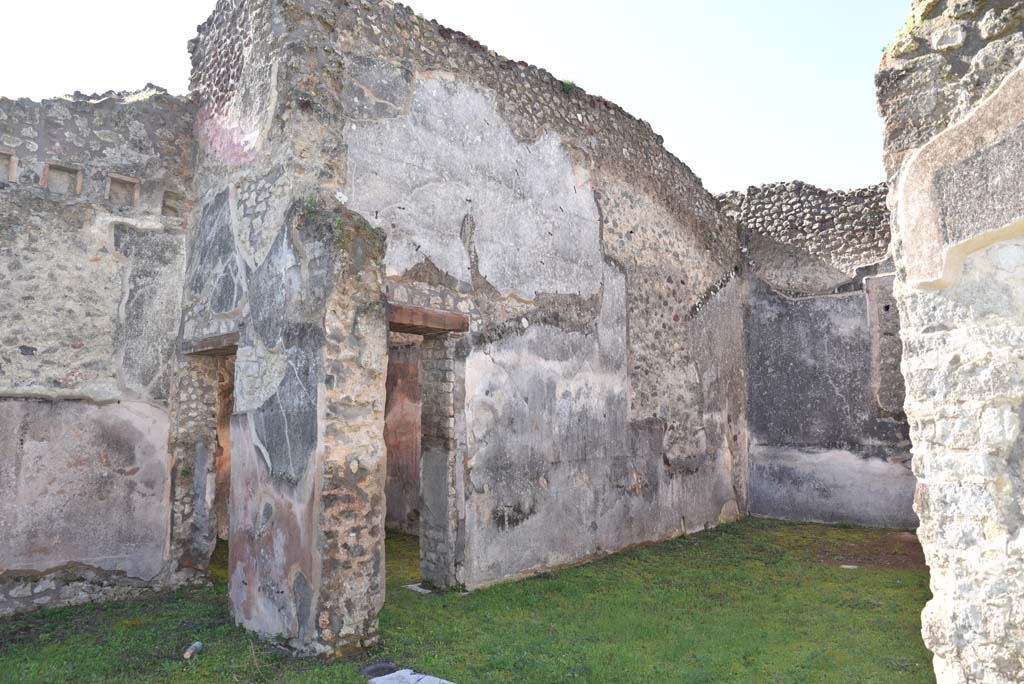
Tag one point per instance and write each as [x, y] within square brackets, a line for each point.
[894, 550]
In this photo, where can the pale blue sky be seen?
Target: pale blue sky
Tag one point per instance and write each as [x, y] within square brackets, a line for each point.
[745, 91]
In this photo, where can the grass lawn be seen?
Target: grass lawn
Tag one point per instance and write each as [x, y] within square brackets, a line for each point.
[757, 601]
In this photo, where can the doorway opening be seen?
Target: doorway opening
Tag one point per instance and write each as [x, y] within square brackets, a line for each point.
[402, 433]
[424, 395]
[221, 506]
[208, 392]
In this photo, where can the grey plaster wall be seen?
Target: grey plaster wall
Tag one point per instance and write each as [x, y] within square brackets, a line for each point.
[811, 383]
[458, 158]
[829, 440]
[91, 256]
[822, 448]
[82, 484]
[549, 416]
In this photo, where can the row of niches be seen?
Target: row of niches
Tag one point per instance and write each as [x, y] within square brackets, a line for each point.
[122, 192]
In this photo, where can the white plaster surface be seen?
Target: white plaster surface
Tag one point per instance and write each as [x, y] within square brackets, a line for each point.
[418, 175]
[83, 483]
[961, 297]
[408, 677]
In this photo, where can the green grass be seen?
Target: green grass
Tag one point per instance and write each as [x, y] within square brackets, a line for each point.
[748, 602]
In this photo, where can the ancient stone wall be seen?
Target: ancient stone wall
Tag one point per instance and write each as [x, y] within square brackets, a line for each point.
[553, 219]
[351, 513]
[604, 401]
[310, 570]
[92, 233]
[279, 272]
[950, 55]
[958, 227]
[828, 436]
[349, 154]
[806, 239]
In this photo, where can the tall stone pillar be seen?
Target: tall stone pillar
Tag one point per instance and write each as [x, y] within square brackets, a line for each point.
[959, 246]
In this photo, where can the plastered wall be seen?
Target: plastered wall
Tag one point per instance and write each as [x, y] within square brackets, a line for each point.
[828, 435]
[962, 331]
[600, 408]
[91, 253]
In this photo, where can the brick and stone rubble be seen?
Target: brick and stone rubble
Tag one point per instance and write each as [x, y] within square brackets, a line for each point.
[845, 230]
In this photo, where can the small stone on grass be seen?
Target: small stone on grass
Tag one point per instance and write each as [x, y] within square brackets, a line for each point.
[408, 677]
[418, 588]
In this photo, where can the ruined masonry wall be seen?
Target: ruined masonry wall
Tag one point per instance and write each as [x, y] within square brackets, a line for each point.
[275, 260]
[843, 229]
[92, 200]
[822, 331]
[951, 54]
[607, 353]
[192, 446]
[604, 397]
[951, 93]
[354, 457]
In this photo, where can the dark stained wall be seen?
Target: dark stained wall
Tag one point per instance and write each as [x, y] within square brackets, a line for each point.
[828, 437]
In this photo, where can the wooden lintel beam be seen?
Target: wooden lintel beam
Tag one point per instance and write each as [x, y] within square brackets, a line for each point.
[417, 320]
[218, 345]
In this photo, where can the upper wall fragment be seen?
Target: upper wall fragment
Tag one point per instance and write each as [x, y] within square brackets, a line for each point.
[949, 56]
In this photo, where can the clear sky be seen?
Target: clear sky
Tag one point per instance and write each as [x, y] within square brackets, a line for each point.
[744, 91]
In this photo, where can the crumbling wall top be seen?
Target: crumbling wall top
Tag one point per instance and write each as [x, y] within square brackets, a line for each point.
[331, 38]
[807, 237]
[93, 193]
[950, 55]
[224, 45]
[542, 101]
[140, 139]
